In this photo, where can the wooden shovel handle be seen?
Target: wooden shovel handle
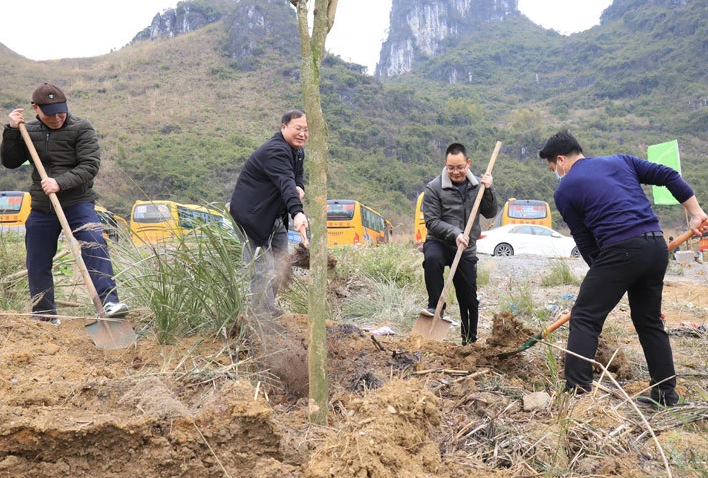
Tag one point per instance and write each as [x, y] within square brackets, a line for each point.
[680, 240]
[73, 243]
[555, 325]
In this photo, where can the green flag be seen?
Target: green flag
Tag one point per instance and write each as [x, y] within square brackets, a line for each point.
[668, 155]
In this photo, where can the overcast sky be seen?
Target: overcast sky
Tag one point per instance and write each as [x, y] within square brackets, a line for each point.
[44, 29]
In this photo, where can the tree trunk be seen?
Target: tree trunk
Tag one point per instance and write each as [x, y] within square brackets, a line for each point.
[312, 50]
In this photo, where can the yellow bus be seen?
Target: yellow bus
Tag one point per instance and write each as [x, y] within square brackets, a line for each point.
[351, 223]
[419, 230]
[14, 210]
[114, 226]
[524, 211]
[156, 221]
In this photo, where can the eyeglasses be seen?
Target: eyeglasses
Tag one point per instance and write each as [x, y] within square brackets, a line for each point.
[300, 130]
[452, 169]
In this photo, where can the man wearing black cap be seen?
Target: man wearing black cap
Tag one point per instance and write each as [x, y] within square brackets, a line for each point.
[69, 151]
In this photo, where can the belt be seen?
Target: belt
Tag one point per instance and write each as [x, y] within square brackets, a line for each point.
[653, 234]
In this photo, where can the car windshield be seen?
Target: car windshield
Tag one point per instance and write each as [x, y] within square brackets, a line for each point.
[542, 231]
[522, 230]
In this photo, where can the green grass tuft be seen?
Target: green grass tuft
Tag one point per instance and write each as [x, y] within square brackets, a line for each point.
[197, 283]
[559, 274]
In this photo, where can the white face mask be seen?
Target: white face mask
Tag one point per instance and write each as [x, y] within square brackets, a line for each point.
[558, 175]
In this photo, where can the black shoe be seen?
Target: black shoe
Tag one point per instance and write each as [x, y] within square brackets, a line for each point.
[574, 389]
[648, 401]
[469, 340]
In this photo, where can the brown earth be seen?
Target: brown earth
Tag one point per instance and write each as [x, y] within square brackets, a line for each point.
[399, 406]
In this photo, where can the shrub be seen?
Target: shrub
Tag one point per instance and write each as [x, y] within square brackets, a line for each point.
[400, 265]
[196, 283]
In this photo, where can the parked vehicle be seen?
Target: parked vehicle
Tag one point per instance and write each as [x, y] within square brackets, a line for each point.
[352, 223]
[113, 225]
[156, 221]
[524, 211]
[14, 209]
[526, 239]
[294, 237]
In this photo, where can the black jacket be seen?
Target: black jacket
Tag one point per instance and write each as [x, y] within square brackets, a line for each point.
[265, 190]
[70, 155]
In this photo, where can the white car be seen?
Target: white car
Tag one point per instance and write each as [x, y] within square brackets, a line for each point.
[526, 239]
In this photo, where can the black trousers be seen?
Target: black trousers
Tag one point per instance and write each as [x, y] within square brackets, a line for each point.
[635, 266]
[437, 256]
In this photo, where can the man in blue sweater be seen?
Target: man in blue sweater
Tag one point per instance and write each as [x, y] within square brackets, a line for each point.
[618, 235]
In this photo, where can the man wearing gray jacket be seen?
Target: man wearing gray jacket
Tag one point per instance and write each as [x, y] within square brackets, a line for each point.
[447, 205]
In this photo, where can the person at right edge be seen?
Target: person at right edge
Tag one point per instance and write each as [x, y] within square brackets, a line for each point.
[609, 216]
[447, 204]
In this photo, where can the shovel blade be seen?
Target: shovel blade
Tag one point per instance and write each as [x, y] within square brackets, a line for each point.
[111, 334]
[431, 328]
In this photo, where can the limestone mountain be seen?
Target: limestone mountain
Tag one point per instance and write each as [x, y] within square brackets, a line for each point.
[187, 17]
[426, 28]
[252, 27]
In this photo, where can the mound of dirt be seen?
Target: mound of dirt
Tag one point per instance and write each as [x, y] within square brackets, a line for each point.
[68, 409]
[611, 356]
[385, 434]
[508, 332]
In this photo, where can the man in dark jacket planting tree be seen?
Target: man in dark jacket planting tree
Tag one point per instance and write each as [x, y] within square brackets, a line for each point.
[447, 205]
[270, 187]
[69, 151]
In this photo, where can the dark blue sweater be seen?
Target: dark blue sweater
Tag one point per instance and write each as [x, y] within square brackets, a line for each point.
[602, 201]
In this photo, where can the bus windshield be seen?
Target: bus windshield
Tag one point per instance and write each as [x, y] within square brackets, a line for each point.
[152, 213]
[527, 210]
[340, 210]
[11, 202]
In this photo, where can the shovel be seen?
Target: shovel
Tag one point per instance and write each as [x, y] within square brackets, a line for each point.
[555, 325]
[106, 333]
[435, 327]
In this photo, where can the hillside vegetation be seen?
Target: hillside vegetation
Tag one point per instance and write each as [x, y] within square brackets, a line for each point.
[177, 117]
